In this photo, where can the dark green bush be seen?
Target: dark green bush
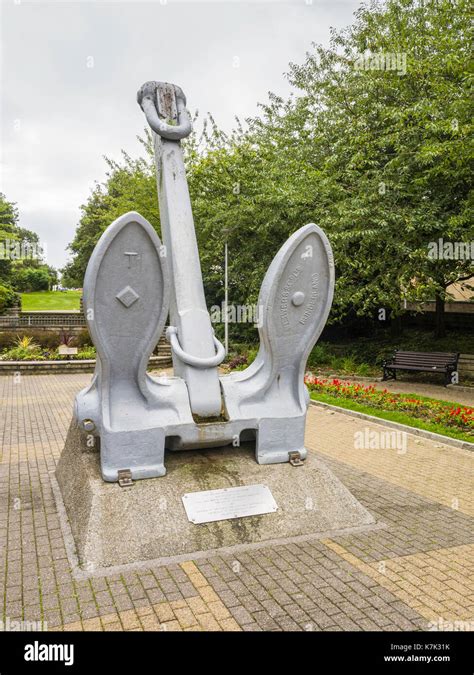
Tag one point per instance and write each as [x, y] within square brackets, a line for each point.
[7, 339]
[83, 339]
[46, 339]
[7, 297]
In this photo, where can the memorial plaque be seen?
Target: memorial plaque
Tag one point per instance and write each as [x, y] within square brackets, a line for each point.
[228, 503]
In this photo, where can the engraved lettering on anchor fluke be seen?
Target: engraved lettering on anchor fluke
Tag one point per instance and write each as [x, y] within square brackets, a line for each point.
[312, 298]
[285, 294]
[130, 256]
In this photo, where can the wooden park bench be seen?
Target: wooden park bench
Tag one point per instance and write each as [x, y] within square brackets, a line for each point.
[430, 362]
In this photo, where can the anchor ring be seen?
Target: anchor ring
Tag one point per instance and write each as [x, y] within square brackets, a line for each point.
[146, 97]
[189, 359]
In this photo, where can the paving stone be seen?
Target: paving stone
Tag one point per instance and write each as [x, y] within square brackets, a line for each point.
[418, 567]
[241, 615]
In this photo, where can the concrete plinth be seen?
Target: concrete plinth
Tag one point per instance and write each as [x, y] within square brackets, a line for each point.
[113, 525]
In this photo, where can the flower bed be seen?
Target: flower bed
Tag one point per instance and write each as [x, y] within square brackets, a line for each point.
[26, 349]
[430, 410]
[18, 354]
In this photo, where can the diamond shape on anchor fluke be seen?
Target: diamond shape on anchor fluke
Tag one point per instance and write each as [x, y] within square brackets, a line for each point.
[127, 296]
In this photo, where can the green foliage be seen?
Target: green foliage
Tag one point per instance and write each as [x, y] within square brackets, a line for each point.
[321, 355]
[87, 352]
[380, 158]
[242, 360]
[20, 270]
[27, 279]
[8, 217]
[41, 346]
[328, 358]
[8, 232]
[374, 349]
[130, 186]
[43, 338]
[83, 339]
[7, 297]
[364, 356]
[24, 349]
[363, 370]
[385, 157]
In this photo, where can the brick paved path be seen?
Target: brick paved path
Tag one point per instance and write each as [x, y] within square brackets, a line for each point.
[416, 572]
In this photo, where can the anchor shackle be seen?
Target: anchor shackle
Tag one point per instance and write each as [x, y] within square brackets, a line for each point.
[161, 101]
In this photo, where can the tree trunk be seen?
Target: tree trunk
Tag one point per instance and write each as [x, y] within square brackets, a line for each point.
[440, 324]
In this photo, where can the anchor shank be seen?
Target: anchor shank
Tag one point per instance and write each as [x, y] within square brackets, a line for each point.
[178, 231]
[188, 311]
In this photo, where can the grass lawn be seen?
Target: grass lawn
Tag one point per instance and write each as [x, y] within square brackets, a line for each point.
[395, 416]
[50, 301]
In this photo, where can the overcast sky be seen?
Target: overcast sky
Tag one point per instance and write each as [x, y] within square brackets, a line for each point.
[70, 72]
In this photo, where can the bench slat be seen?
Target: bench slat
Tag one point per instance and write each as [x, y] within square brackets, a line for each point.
[422, 361]
[446, 354]
[425, 357]
[420, 368]
[438, 362]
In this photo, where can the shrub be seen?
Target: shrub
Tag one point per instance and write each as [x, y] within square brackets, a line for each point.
[7, 297]
[237, 361]
[66, 338]
[45, 339]
[7, 339]
[87, 353]
[83, 339]
[252, 355]
[349, 365]
[28, 279]
[26, 342]
[335, 362]
[363, 369]
[242, 361]
[25, 349]
[320, 355]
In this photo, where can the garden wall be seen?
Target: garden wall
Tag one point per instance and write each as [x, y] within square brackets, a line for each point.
[73, 322]
[79, 366]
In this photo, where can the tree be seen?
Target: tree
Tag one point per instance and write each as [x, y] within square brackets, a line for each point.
[389, 111]
[8, 230]
[22, 267]
[129, 186]
[374, 148]
[27, 279]
[7, 297]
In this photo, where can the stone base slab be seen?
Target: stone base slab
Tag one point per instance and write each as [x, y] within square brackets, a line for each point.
[117, 526]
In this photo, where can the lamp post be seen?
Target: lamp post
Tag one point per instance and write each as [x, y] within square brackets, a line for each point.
[226, 293]
[226, 231]
[226, 301]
